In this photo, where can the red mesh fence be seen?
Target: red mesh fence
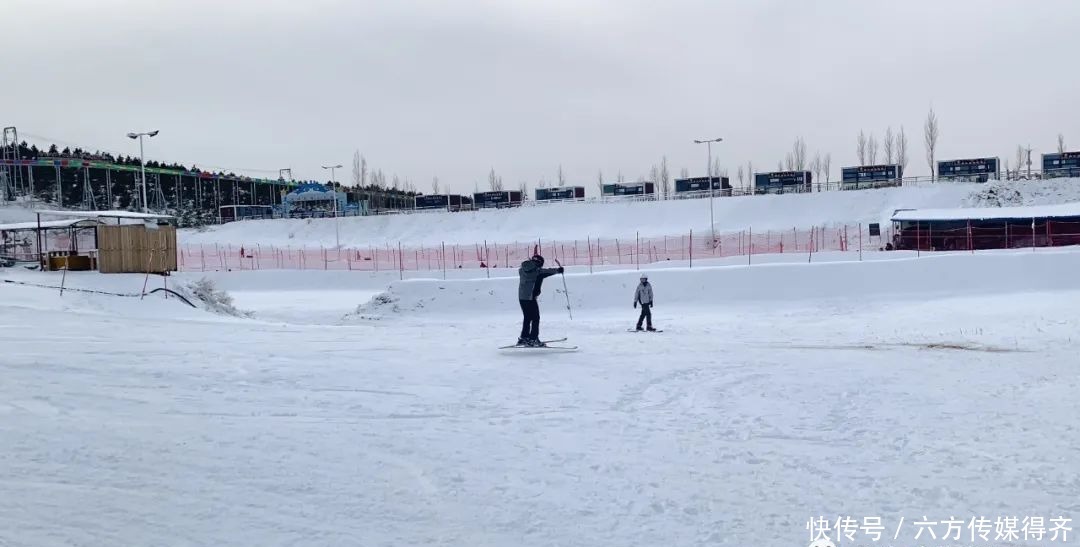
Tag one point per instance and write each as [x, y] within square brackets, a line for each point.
[633, 251]
[581, 252]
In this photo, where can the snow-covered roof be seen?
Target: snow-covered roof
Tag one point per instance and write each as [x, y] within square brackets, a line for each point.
[49, 224]
[105, 214]
[990, 213]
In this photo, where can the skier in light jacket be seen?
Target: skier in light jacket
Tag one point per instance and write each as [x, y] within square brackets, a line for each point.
[643, 295]
[531, 275]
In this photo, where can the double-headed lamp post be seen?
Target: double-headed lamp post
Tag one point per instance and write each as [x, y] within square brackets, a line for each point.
[712, 193]
[333, 188]
[142, 164]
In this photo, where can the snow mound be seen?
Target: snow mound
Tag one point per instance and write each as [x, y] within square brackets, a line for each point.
[96, 294]
[907, 279]
[1019, 193]
[213, 299]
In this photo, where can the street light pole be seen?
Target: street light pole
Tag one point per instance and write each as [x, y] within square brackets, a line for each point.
[712, 192]
[333, 188]
[142, 164]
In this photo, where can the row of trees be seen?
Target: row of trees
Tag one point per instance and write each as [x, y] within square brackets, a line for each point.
[365, 178]
[893, 149]
[28, 151]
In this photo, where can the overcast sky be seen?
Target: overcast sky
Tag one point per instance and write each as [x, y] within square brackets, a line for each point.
[453, 88]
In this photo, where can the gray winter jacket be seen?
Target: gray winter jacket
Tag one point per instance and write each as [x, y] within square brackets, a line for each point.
[643, 294]
[531, 276]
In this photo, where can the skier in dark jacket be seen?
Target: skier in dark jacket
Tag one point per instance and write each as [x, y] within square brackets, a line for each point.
[531, 275]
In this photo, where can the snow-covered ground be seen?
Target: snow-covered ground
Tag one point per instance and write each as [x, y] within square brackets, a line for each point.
[354, 409]
[576, 221]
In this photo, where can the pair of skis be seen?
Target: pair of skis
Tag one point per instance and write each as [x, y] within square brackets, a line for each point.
[545, 346]
[547, 343]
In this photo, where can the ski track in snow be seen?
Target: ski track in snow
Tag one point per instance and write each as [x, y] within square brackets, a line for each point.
[733, 427]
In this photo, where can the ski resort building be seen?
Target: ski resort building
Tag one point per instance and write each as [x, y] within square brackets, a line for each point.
[106, 241]
[987, 227]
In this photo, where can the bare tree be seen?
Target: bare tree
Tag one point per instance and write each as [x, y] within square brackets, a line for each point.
[901, 149]
[654, 176]
[798, 153]
[619, 177]
[494, 181]
[1008, 173]
[871, 149]
[600, 181]
[860, 147]
[434, 185]
[750, 174]
[889, 145]
[780, 165]
[357, 176]
[1019, 158]
[684, 173]
[740, 175]
[397, 183]
[931, 132]
[665, 177]
[1061, 143]
[524, 189]
[561, 177]
[825, 164]
[815, 166]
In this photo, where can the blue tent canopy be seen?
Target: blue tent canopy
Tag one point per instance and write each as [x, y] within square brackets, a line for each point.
[312, 192]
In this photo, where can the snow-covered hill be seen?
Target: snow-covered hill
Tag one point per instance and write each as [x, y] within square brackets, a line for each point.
[570, 221]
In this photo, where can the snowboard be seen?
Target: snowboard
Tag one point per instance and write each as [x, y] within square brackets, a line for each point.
[643, 330]
[564, 348]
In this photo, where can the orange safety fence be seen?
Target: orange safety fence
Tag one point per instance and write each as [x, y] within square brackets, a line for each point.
[586, 251]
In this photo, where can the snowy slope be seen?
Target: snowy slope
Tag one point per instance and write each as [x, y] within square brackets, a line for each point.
[570, 221]
[12, 213]
[762, 406]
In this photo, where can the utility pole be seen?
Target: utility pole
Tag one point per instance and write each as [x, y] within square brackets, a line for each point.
[333, 188]
[142, 164]
[712, 191]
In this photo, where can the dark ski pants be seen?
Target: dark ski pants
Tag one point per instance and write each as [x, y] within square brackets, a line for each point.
[530, 323]
[646, 315]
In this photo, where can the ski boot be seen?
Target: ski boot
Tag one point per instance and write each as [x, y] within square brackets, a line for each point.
[536, 343]
[650, 329]
[522, 342]
[639, 328]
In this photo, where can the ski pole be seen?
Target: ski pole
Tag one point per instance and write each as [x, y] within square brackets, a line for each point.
[565, 291]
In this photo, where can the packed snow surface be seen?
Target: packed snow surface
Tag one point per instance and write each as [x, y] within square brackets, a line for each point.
[356, 409]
